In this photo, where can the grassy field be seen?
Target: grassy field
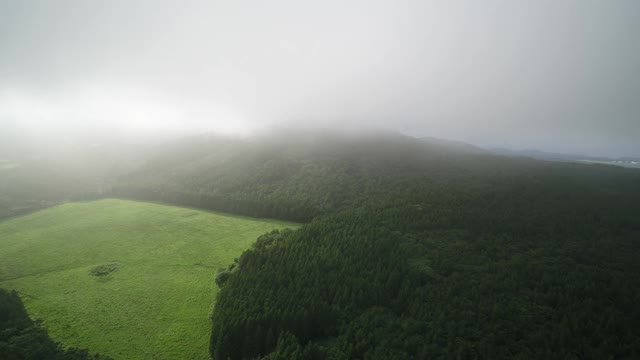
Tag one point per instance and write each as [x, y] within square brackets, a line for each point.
[155, 305]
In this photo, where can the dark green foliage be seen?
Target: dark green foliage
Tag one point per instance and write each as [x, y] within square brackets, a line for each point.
[414, 250]
[287, 348]
[302, 176]
[221, 277]
[24, 339]
[102, 270]
[368, 291]
[492, 260]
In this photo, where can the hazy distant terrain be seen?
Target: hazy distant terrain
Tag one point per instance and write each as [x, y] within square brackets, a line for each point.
[630, 162]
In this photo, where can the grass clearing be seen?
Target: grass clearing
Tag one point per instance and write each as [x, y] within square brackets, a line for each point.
[127, 279]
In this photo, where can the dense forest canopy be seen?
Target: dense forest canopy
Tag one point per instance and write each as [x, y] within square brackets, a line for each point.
[301, 175]
[414, 248]
[435, 252]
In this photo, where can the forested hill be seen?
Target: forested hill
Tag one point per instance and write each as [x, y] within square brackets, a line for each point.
[415, 248]
[300, 175]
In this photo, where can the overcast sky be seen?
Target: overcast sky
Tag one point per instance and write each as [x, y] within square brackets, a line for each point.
[549, 74]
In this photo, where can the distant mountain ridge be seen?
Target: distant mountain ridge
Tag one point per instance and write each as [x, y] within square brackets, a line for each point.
[455, 145]
[631, 162]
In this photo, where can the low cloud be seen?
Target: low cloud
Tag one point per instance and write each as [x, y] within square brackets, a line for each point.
[557, 76]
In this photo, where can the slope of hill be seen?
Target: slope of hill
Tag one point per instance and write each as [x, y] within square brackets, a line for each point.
[454, 145]
[414, 248]
[126, 279]
[32, 180]
[438, 254]
[300, 176]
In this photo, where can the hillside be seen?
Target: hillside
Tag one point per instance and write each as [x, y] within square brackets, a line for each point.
[422, 251]
[299, 176]
[33, 180]
[129, 280]
[413, 248]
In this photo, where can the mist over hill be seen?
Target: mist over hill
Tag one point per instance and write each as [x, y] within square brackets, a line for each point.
[313, 171]
[391, 130]
[630, 162]
[413, 248]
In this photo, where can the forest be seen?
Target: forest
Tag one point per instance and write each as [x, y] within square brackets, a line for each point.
[412, 249]
[320, 180]
[510, 260]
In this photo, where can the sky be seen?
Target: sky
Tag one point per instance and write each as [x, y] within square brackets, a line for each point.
[555, 75]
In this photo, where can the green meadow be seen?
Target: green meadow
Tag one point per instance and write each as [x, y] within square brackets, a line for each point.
[131, 280]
